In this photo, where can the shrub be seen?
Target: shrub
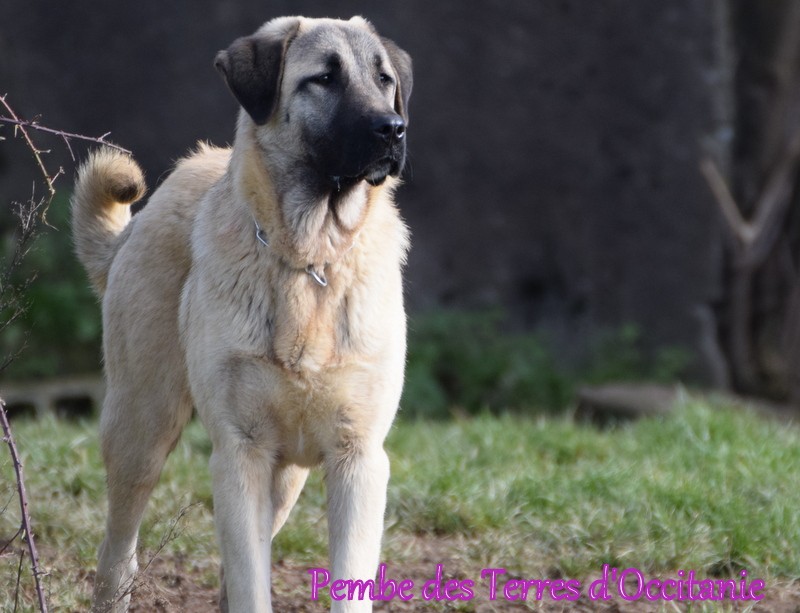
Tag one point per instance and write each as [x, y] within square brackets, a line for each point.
[470, 362]
[466, 361]
[61, 329]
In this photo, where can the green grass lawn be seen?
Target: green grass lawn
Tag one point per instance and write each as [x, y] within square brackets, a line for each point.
[707, 488]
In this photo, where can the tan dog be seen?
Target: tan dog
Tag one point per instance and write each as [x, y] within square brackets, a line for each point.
[262, 285]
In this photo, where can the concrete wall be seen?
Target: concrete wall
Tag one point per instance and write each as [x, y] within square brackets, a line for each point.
[554, 144]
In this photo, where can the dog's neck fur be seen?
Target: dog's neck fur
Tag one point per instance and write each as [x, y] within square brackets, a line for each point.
[304, 225]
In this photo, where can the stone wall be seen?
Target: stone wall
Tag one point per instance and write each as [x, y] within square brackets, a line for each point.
[554, 144]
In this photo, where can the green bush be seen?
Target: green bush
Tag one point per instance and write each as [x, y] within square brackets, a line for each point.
[470, 362]
[618, 355]
[465, 361]
[60, 332]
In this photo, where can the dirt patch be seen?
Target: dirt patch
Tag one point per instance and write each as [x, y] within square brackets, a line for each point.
[176, 585]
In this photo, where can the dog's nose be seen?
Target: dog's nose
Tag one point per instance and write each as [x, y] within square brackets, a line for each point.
[389, 127]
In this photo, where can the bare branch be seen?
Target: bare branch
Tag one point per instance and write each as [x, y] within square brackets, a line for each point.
[16, 534]
[756, 237]
[12, 304]
[19, 578]
[741, 229]
[26, 527]
[20, 126]
[65, 136]
[172, 533]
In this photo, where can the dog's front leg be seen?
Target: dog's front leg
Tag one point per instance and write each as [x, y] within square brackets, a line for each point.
[241, 476]
[356, 481]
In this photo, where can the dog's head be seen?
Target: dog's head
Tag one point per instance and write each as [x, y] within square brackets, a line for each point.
[331, 94]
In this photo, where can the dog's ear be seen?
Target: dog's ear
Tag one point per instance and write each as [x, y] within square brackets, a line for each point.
[253, 66]
[401, 62]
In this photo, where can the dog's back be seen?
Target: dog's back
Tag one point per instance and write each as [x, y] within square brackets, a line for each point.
[110, 181]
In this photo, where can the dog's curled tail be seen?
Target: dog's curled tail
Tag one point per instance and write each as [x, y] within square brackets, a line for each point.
[107, 183]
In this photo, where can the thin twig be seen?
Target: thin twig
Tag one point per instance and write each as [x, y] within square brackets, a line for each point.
[12, 293]
[65, 136]
[170, 535]
[13, 306]
[8, 438]
[19, 579]
[34, 149]
[22, 125]
[16, 534]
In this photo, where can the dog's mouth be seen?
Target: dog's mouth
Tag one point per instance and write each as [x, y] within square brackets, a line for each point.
[378, 172]
[375, 174]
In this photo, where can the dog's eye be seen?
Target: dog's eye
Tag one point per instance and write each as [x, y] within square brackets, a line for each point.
[385, 79]
[324, 79]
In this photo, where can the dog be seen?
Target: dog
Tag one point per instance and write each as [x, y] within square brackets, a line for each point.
[262, 287]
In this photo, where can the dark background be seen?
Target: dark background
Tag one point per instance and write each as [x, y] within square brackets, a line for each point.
[554, 148]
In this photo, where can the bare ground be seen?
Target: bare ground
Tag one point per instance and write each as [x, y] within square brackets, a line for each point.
[175, 585]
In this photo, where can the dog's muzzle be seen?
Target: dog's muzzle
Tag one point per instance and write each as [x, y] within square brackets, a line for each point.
[389, 128]
[369, 147]
[389, 131]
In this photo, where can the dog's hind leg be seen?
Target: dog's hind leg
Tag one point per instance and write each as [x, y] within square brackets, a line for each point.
[138, 431]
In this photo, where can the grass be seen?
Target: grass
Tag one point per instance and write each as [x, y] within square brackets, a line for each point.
[707, 488]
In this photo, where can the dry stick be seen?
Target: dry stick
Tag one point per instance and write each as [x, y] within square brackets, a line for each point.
[171, 534]
[65, 136]
[8, 438]
[34, 149]
[22, 124]
[28, 224]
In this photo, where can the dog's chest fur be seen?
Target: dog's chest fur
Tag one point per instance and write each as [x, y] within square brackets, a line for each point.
[279, 311]
[272, 309]
[284, 315]
[300, 362]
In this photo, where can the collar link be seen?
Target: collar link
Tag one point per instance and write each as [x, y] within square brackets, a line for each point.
[317, 275]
